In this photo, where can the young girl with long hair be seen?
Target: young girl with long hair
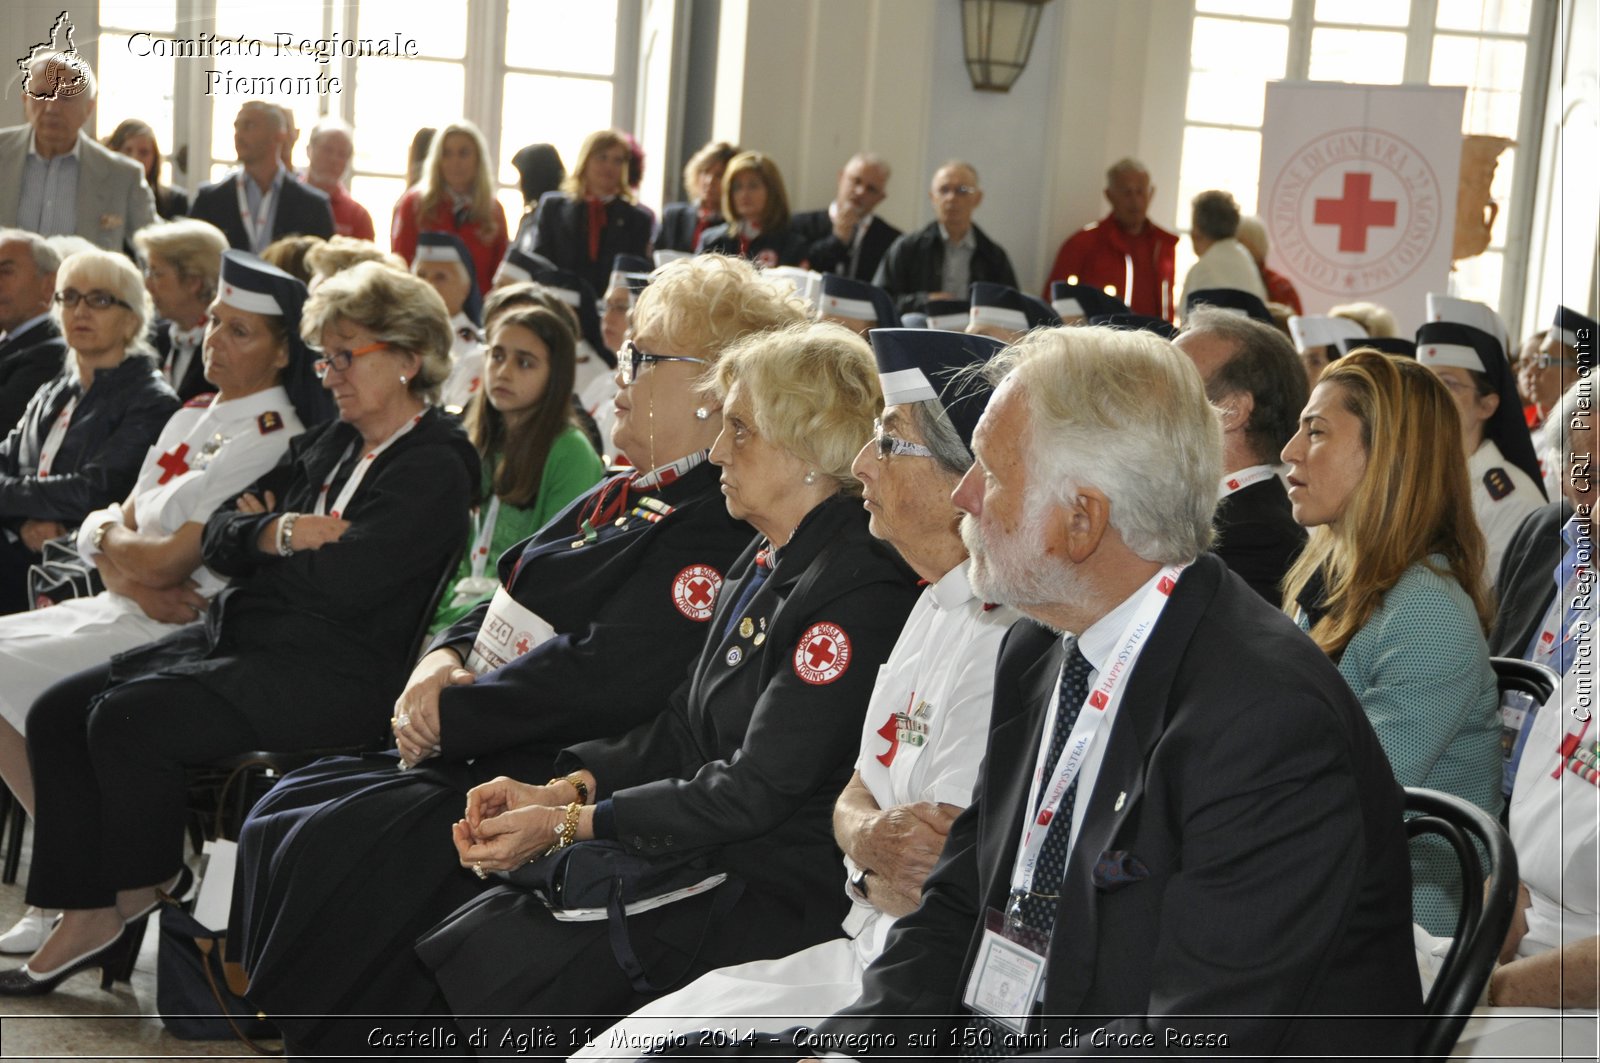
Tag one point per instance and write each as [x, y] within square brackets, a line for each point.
[535, 458]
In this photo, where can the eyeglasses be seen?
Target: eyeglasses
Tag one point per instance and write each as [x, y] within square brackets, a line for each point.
[888, 444]
[97, 299]
[959, 191]
[630, 359]
[1545, 361]
[341, 360]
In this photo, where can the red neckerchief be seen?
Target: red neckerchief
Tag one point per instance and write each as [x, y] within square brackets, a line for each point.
[597, 222]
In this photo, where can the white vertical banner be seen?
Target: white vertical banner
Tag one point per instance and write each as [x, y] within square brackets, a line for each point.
[1358, 191]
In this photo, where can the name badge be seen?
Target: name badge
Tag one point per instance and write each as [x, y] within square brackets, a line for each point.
[508, 631]
[1008, 974]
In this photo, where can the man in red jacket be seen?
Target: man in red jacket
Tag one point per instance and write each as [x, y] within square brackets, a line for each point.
[1123, 246]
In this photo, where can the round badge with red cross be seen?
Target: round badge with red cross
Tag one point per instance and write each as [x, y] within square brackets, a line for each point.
[694, 591]
[822, 654]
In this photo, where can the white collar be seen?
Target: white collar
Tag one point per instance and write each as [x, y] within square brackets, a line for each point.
[953, 589]
[1097, 643]
[33, 148]
[277, 178]
[251, 406]
[969, 240]
[25, 326]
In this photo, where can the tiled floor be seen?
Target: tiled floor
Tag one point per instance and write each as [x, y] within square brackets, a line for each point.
[79, 1021]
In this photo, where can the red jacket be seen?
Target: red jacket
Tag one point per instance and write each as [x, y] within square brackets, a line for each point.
[486, 255]
[1098, 254]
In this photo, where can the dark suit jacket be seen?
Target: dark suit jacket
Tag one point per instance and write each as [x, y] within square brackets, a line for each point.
[829, 254]
[1257, 536]
[1526, 584]
[303, 210]
[913, 266]
[1241, 857]
[194, 380]
[113, 426]
[775, 247]
[561, 234]
[677, 227]
[27, 362]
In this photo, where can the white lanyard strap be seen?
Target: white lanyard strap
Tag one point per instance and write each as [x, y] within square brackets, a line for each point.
[357, 474]
[1235, 482]
[480, 548]
[255, 225]
[56, 436]
[1103, 698]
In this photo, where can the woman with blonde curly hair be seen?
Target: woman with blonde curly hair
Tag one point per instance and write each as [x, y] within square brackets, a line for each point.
[455, 195]
[593, 218]
[626, 579]
[741, 769]
[1391, 585]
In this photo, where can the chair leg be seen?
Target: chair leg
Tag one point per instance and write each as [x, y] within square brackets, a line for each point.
[19, 823]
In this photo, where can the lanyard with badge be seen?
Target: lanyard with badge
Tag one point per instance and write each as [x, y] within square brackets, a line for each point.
[357, 474]
[1233, 483]
[255, 225]
[1009, 973]
[475, 585]
[56, 436]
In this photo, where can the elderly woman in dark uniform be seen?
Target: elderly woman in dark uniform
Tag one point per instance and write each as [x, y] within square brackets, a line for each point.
[331, 556]
[84, 434]
[743, 766]
[625, 578]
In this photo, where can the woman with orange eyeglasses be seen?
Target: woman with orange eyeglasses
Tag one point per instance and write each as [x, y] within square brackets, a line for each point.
[332, 557]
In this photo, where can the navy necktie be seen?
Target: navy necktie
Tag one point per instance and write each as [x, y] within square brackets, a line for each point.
[1039, 905]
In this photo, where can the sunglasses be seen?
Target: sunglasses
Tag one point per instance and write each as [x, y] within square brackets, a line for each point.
[887, 444]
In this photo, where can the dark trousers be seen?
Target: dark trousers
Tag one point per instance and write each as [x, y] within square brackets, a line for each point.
[14, 562]
[108, 770]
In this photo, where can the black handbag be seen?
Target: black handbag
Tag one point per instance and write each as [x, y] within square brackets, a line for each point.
[61, 574]
[192, 991]
[602, 880]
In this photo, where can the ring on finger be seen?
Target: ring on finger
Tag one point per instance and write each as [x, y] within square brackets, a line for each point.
[402, 721]
[477, 869]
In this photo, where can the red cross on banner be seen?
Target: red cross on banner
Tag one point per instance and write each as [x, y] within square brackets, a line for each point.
[173, 463]
[1356, 212]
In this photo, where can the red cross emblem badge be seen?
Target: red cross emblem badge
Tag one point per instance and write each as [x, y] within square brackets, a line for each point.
[173, 463]
[822, 654]
[694, 591]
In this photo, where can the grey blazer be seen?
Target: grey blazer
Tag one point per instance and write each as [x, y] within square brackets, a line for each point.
[113, 200]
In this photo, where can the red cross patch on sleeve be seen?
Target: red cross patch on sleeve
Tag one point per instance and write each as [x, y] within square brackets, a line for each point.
[694, 591]
[822, 654]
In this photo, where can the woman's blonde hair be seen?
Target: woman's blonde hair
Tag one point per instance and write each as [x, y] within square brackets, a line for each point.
[1378, 321]
[193, 248]
[434, 192]
[600, 140]
[339, 253]
[96, 269]
[707, 302]
[813, 391]
[776, 213]
[1412, 502]
[399, 309]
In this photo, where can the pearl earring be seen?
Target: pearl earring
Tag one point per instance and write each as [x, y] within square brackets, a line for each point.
[702, 414]
[811, 476]
[402, 378]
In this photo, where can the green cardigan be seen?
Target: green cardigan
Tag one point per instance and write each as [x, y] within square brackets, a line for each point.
[571, 468]
[1420, 667]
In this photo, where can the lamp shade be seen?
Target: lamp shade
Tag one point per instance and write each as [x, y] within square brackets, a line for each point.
[996, 39]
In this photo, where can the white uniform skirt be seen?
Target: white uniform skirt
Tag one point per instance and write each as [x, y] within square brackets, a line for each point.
[40, 647]
[800, 989]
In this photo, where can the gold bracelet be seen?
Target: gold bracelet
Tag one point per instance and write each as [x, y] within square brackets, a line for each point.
[577, 783]
[567, 832]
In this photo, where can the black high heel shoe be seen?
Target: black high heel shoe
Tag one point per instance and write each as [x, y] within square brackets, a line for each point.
[115, 959]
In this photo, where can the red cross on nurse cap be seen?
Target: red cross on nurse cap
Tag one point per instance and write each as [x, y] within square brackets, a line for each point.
[250, 284]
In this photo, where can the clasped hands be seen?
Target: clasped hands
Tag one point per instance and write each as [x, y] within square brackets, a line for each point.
[416, 712]
[901, 844]
[507, 824]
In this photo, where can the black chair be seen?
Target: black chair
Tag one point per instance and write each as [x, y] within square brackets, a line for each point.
[222, 792]
[15, 821]
[1485, 915]
[1536, 680]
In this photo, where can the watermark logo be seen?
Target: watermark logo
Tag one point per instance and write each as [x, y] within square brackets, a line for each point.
[53, 69]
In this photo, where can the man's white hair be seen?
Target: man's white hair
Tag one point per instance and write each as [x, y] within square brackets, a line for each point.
[1126, 413]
